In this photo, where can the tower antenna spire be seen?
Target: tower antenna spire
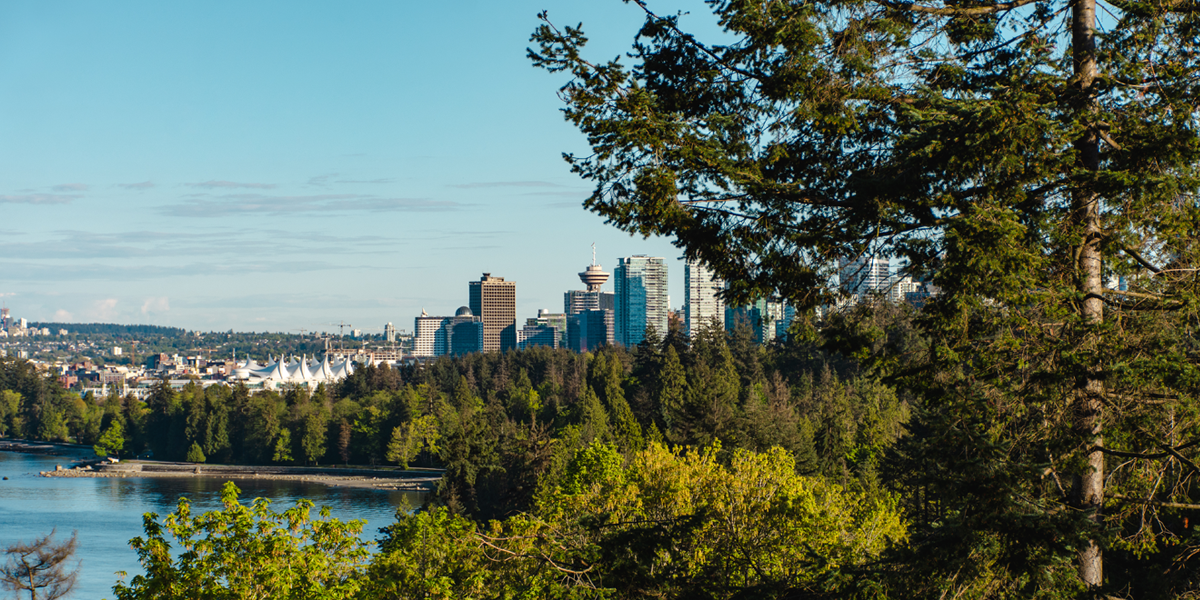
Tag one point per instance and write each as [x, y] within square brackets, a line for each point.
[593, 276]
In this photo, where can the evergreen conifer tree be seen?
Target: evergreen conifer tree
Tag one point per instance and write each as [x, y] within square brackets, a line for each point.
[1021, 156]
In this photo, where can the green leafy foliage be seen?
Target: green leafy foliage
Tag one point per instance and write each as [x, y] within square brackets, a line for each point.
[113, 440]
[195, 454]
[670, 524]
[247, 551]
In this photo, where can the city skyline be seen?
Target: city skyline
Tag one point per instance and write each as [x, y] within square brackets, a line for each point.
[287, 166]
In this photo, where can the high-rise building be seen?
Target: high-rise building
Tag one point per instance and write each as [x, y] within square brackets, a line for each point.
[758, 316]
[641, 297]
[702, 305]
[787, 314]
[593, 277]
[389, 333]
[591, 312]
[576, 301]
[905, 289]
[429, 337]
[865, 276]
[495, 301]
[537, 335]
[900, 287]
[589, 329]
[534, 332]
[439, 336]
[464, 332]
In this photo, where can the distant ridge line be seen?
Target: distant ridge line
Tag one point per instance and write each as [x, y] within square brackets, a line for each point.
[113, 329]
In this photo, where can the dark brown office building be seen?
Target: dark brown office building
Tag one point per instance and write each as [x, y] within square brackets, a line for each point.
[495, 300]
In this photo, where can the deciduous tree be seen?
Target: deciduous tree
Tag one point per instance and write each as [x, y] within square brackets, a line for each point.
[112, 441]
[247, 551]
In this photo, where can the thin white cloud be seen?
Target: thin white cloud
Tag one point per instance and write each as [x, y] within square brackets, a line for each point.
[71, 187]
[63, 316]
[502, 184]
[103, 310]
[215, 184]
[154, 304]
[145, 185]
[328, 178]
[144, 246]
[246, 204]
[321, 180]
[32, 271]
[37, 198]
[372, 181]
[564, 193]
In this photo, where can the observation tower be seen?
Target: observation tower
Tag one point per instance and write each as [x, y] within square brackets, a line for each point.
[594, 276]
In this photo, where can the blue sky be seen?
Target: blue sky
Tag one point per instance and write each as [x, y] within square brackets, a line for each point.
[287, 165]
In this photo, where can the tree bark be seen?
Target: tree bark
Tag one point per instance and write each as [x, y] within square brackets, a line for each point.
[1088, 493]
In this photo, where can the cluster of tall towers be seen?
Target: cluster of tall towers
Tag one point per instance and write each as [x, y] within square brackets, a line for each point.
[591, 317]
[488, 322]
[704, 307]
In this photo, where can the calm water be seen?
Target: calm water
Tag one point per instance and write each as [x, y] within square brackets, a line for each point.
[108, 512]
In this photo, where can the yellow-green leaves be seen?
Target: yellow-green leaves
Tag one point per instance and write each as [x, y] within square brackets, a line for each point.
[681, 519]
[247, 552]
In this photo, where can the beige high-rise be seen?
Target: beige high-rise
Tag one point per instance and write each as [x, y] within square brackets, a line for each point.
[495, 300]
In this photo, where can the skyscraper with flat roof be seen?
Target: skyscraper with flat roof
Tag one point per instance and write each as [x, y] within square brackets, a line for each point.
[429, 337]
[640, 284]
[576, 301]
[865, 276]
[590, 329]
[495, 301]
[702, 305]
[763, 317]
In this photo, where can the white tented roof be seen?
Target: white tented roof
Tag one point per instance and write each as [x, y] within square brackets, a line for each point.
[296, 370]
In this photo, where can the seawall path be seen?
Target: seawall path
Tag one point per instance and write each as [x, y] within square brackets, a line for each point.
[419, 480]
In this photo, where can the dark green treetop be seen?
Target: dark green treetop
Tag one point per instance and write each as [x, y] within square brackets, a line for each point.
[1020, 155]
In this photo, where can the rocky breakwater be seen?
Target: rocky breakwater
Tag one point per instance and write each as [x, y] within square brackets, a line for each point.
[419, 480]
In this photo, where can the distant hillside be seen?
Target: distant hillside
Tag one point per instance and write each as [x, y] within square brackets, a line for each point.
[113, 329]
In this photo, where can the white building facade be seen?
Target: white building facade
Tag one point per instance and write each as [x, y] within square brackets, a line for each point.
[702, 304]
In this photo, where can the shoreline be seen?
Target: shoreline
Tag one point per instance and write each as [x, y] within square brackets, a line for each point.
[44, 448]
[376, 479]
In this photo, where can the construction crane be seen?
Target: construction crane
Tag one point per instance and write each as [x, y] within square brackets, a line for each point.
[341, 325]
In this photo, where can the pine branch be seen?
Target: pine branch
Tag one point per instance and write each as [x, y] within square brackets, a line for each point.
[957, 12]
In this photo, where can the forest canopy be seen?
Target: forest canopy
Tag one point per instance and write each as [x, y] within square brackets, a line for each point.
[1034, 160]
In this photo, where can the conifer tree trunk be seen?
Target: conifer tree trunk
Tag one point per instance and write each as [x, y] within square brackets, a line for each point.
[1089, 482]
